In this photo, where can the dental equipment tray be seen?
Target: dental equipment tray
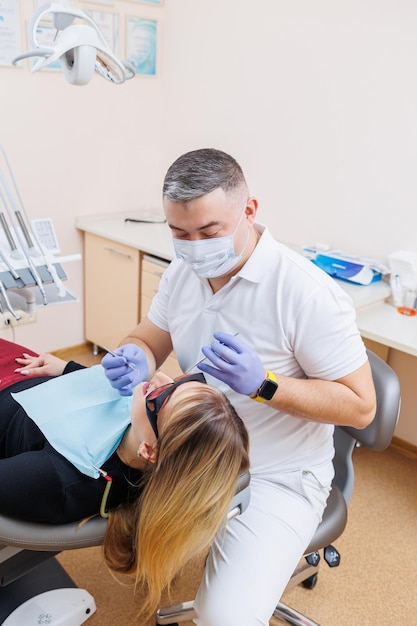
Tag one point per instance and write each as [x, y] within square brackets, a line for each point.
[26, 278]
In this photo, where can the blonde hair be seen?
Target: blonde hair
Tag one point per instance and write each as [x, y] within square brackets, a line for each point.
[185, 495]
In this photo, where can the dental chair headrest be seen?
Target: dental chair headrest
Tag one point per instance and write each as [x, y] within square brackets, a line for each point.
[81, 48]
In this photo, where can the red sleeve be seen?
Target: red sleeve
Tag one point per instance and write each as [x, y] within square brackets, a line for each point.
[8, 353]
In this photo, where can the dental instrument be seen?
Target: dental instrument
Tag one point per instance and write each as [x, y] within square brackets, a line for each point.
[15, 254]
[132, 367]
[109, 479]
[144, 221]
[81, 48]
[26, 234]
[9, 266]
[201, 360]
[29, 261]
[29, 233]
[7, 302]
[195, 365]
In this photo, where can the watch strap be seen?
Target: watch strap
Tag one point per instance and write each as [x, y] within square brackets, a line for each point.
[270, 378]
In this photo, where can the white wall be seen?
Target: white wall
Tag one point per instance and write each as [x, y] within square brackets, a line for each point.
[318, 103]
[316, 100]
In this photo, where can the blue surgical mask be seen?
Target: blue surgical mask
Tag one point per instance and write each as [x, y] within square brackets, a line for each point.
[210, 258]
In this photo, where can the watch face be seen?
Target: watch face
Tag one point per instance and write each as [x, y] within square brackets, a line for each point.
[267, 389]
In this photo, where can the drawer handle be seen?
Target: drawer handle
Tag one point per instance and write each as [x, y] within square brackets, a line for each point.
[123, 254]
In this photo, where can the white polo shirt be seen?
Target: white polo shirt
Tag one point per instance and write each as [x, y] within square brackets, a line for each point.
[299, 321]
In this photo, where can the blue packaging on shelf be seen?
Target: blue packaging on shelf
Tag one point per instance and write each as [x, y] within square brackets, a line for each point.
[344, 269]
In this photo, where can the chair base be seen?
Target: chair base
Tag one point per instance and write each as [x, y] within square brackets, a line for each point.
[37, 581]
[287, 615]
[184, 612]
[303, 571]
[176, 614]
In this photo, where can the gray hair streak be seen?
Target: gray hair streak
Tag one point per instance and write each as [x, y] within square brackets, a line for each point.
[201, 171]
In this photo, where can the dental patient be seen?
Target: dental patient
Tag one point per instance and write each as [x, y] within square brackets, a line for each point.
[174, 468]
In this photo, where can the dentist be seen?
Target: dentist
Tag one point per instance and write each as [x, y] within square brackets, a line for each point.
[280, 339]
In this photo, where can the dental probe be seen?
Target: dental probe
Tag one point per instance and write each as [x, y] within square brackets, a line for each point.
[15, 253]
[24, 230]
[201, 360]
[9, 267]
[132, 367]
[7, 302]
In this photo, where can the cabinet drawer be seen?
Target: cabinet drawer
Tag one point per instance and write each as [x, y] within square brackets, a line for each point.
[145, 306]
[151, 274]
[154, 266]
[150, 284]
[152, 270]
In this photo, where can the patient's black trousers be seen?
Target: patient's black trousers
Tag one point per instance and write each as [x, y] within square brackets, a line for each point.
[37, 483]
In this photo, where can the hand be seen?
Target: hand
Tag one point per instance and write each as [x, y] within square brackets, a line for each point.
[120, 375]
[236, 363]
[42, 365]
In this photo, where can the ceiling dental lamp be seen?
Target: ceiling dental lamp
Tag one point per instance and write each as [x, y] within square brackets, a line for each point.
[81, 48]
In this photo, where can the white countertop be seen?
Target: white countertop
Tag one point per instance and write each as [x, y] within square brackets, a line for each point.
[382, 323]
[364, 295]
[377, 319]
[151, 238]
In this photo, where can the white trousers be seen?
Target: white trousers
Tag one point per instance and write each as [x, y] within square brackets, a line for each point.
[251, 563]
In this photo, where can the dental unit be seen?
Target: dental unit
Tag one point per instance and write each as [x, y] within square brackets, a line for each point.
[24, 262]
[81, 48]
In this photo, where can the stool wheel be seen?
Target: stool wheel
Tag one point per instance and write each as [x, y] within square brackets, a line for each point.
[310, 582]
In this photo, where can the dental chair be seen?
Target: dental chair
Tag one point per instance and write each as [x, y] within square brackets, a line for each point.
[40, 542]
[376, 436]
[27, 566]
[28, 569]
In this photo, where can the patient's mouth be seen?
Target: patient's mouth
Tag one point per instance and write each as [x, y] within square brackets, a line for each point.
[146, 386]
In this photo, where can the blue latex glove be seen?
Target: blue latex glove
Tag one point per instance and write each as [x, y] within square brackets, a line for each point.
[121, 376]
[235, 363]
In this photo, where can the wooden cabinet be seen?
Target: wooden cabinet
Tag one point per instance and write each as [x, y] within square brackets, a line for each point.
[119, 284]
[152, 270]
[111, 290]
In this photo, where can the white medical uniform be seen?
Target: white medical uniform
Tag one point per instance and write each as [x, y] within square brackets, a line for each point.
[301, 324]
